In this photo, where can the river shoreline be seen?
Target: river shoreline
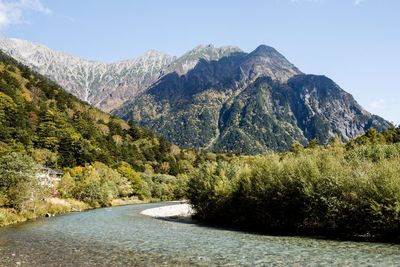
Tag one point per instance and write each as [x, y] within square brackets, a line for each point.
[56, 206]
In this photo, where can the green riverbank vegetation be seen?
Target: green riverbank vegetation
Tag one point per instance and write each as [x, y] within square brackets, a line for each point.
[340, 190]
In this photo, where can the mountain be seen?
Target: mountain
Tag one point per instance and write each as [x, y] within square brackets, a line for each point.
[106, 86]
[248, 103]
[221, 99]
[100, 84]
[39, 118]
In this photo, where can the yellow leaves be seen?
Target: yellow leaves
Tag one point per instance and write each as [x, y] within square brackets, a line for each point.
[70, 113]
[26, 95]
[117, 139]
[175, 150]
[44, 156]
[164, 167]
[103, 128]
[7, 107]
[77, 171]
[124, 125]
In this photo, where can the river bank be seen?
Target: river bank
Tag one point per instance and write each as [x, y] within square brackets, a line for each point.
[55, 206]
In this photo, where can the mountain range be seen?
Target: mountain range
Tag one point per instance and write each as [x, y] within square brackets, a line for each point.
[221, 99]
[103, 85]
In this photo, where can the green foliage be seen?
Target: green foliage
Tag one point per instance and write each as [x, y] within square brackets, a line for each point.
[46, 125]
[19, 187]
[226, 112]
[138, 186]
[165, 187]
[66, 186]
[210, 187]
[330, 191]
[372, 136]
[95, 184]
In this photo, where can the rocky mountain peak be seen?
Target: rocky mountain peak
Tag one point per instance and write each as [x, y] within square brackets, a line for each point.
[189, 60]
[264, 50]
[155, 54]
[266, 61]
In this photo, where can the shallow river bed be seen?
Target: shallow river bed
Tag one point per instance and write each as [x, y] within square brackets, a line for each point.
[121, 236]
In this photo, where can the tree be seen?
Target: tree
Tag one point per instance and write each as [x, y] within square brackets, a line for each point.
[44, 157]
[90, 189]
[18, 181]
[297, 148]
[313, 143]
[66, 186]
[137, 184]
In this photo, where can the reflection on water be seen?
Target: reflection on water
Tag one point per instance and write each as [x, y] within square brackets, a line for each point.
[121, 236]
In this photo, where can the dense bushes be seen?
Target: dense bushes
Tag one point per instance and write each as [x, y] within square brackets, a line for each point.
[21, 195]
[19, 187]
[165, 187]
[97, 184]
[327, 191]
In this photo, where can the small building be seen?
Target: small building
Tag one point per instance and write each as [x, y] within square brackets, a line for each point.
[49, 177]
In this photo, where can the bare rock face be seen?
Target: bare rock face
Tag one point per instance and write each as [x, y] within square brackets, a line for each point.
[103, 85]
[266, 61]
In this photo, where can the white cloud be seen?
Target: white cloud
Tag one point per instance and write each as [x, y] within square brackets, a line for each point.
[12, 12]
[378, 104]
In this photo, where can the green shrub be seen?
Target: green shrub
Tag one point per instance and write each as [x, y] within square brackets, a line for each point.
[313, 191]
[165, 187]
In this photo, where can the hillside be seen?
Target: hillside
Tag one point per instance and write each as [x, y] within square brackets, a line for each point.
[248, 103]
[39, 118]
[101, 158]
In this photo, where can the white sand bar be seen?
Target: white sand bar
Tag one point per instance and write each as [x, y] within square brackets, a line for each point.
[181, 210]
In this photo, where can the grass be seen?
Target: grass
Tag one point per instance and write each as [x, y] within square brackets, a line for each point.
[52, 206]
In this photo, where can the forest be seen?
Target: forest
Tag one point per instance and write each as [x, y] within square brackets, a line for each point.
[100, 157]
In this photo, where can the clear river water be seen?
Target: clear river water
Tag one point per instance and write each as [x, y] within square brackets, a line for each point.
[121, 236]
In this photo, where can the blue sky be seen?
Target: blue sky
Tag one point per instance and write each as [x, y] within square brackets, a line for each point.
[354, 42]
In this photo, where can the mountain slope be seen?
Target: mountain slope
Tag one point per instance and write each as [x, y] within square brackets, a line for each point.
[248, 103]
[103, 85]
[39, 118]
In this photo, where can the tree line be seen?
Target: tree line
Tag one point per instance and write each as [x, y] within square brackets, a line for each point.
[340, 190]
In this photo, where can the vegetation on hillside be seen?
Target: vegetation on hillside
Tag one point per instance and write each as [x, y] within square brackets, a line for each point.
[341, 190]
[101, 157]
[248, 104]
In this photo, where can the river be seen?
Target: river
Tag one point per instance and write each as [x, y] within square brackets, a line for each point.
[121, 236]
